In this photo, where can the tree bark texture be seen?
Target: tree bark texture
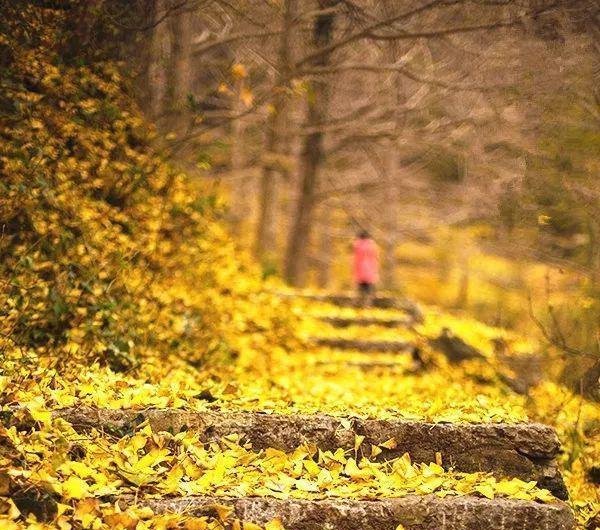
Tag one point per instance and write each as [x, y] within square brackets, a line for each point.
[325, 247]
[275, 142]
[311, 156]
[392, 170]
[179, 68]
[159, 57]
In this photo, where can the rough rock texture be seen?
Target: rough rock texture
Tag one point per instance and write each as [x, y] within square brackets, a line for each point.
[367, 365]
[342, 322]
[414, 513]
[454, 348]
[526, 451]
[389, 346]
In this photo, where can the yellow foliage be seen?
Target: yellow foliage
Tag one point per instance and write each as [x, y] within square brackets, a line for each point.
[122, 290]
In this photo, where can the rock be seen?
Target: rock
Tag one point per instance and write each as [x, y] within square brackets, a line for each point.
[454, 348]
[527, 450]
[341, 322]
[383, 346]
[412, 513]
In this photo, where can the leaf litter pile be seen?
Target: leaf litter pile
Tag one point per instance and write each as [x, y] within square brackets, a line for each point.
[85, 474]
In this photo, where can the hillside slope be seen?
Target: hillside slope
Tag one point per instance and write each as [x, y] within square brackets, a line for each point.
[123, 295]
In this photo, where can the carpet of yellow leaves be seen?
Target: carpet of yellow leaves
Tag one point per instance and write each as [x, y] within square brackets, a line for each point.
[121, 289]
[164, 464]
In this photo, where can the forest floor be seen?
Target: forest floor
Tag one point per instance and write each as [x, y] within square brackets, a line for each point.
[345, 437]
[151, 379]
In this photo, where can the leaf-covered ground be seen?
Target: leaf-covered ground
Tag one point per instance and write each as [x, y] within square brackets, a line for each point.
[121, 289]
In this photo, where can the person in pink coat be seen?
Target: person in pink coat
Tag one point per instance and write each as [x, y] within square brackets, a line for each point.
[366, 266]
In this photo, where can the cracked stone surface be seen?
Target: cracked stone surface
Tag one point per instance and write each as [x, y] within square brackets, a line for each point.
[524, 450]
[413, 512]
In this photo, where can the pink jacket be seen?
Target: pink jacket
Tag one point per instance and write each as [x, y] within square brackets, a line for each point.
[366, 261]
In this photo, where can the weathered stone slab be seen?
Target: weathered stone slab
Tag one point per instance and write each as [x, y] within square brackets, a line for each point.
[413, 512]
[343, 322]
[527, 450]
[384, 346]
[350, 300]
[366, 365]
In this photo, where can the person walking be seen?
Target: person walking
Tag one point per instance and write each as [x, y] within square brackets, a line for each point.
[366, 266]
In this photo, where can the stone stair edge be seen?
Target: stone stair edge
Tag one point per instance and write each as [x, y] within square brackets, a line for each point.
[521, 426]
[525, 451]
[427, 512]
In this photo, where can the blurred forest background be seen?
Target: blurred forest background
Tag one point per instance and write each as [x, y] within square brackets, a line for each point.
[464, 135]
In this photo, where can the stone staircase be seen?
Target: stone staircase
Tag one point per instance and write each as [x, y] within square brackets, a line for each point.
[527, 451]
[426, 512]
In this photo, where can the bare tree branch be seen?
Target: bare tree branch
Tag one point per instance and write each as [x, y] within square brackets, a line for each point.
[368, 29]
[444, 32]
[334, 69]
[204, 47]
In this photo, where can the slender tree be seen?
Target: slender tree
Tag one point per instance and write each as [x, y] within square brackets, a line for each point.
[276, 141]
[311, 156]
[179, 80]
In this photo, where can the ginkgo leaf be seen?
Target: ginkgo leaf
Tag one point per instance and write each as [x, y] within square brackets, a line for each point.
[389, 444]
[487, 490]
[223, 512]
[358, 440]
[275, 524]
[346, 424]
[75, 488]
[197, 523]
[250, 526]
[122, 521]
[306, 485]
[312, 467]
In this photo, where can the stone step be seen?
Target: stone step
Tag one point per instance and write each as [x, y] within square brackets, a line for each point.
[383, 346]
[343, 322]
[409, 513]
[380, 302]
[351, 300]
[369, 365]
[524, 450]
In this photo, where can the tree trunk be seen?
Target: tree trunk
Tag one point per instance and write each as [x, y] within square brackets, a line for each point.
[240, 184]
[275, 143]
[180, 69]
[592, 22]
[157, 68]
[311, 155]
[392, 170]
[325, 247]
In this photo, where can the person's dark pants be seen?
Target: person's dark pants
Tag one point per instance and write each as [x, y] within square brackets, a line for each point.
[365, 288]
[365, 293]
